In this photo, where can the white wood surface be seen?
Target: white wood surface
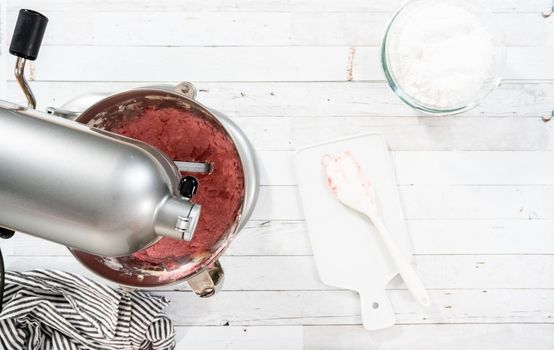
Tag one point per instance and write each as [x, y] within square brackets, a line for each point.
[477, 189]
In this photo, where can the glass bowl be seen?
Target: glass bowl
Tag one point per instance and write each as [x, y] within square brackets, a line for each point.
[442, 57]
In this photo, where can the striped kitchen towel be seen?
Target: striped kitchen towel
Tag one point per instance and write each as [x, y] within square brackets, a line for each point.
[46, 309]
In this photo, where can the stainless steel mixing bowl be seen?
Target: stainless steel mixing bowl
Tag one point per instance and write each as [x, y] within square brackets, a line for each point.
[203, 272]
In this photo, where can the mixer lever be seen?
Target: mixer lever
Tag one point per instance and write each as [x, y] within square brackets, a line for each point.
[27, 37]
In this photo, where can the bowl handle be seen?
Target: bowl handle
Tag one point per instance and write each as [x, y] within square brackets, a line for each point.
[187, 89]
[208, 282]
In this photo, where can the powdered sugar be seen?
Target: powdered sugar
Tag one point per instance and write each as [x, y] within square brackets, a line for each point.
[442, 55]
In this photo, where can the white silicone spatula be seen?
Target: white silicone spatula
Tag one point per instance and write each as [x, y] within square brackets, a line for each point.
[353, 189]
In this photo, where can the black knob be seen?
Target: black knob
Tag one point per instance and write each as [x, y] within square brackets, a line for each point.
[188, 186]
[28, 33]
[6, 233]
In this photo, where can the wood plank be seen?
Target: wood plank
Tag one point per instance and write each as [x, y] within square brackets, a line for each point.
[344, 99]
[285, 273]
[240, 338]
[431, 133]
[482, 236]
[278, 203]
[437, 168]
[478, 202]
[110, 63]
[436, 272]
[201, 28]
[535, 6]
[491, 168]
[259, 238]
[272, 238]
[272, 63]
[326, 99]
[432, 202]
[439, 337]
[342, 307]
[399, 337]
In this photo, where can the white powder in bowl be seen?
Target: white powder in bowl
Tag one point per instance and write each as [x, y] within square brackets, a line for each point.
[442, 55]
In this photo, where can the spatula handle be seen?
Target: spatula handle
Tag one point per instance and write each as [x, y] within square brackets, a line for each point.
[409, 275]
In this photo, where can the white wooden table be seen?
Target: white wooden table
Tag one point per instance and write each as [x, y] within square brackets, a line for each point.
[477, 189]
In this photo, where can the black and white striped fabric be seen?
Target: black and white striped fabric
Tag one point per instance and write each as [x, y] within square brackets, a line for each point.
[47, 309]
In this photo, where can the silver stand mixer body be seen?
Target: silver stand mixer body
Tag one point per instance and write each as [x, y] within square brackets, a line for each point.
[83, 187]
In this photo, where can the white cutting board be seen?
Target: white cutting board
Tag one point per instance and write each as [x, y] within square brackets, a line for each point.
[348, 251]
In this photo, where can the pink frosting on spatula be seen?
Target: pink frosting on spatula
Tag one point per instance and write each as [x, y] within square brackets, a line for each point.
[348, 182]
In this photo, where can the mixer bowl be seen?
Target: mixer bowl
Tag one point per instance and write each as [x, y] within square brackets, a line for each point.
[202, 271]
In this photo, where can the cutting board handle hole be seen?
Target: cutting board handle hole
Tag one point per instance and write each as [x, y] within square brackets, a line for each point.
[375, 305]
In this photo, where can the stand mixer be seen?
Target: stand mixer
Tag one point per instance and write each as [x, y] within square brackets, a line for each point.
[66, 178]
